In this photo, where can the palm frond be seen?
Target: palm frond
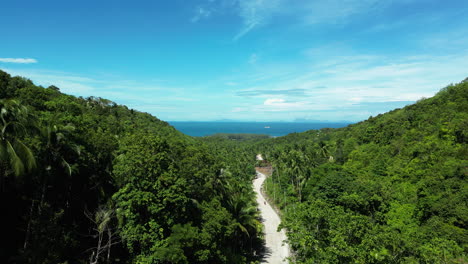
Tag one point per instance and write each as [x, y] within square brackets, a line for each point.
[243, 229]
[15, 162]
[25, 154]
[67, 166]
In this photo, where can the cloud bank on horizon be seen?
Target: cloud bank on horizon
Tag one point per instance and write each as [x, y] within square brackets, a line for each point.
[251, 60]
[18, 60]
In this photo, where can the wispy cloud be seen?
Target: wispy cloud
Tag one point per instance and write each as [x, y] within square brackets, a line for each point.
[279, 104]
[67, 82]
[338, 11]
[353, 90]
[145, 96]
[200, 13]
[274, 101]
[255, 13]
[268, 93]
[18, 60]
[258, 13]
[253, 58]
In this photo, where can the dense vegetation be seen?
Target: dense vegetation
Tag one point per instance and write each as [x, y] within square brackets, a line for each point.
[391, 189]
[84, 180]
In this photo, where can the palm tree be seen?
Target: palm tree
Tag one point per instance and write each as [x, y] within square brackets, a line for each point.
[15, 123]
[16, 158]
[220, 182]
[57, 145]
[326, 151]
[245, 214]
[55, 151]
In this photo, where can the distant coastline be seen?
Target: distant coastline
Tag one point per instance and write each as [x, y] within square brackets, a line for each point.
[275, 129]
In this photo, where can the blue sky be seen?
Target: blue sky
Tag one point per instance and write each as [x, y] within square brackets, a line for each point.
[251, 60]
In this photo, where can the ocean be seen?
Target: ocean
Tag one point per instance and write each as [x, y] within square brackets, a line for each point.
[274, 129]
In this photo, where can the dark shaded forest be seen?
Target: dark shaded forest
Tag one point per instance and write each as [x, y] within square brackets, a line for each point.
[84, 180]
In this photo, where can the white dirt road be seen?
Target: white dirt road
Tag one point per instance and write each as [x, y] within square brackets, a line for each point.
[276, 250]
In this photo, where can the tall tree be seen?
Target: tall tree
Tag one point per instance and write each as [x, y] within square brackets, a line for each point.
[15, 122]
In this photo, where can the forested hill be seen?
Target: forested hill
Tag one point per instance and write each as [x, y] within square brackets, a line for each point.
[84, 180]
[391, 189]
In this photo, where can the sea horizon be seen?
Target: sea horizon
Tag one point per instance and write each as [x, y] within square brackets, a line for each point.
[273, 129]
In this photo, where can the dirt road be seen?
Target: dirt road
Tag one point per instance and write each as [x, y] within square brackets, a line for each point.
[276, 250]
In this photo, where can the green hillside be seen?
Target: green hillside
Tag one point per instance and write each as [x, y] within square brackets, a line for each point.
[391, 189]
[84, 180]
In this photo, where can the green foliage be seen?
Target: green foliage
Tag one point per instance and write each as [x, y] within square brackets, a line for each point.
[15, 122]
[391, 189]
[79, 157]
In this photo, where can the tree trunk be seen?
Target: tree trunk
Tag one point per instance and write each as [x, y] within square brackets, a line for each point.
[28, 228]
[109, 244]
[43, 191]
[3, 175]
[98, 250]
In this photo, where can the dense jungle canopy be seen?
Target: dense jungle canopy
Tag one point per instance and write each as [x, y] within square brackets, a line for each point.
[85, 180]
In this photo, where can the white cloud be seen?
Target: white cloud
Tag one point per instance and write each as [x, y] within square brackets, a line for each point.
[18, 60]
[274, 101]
